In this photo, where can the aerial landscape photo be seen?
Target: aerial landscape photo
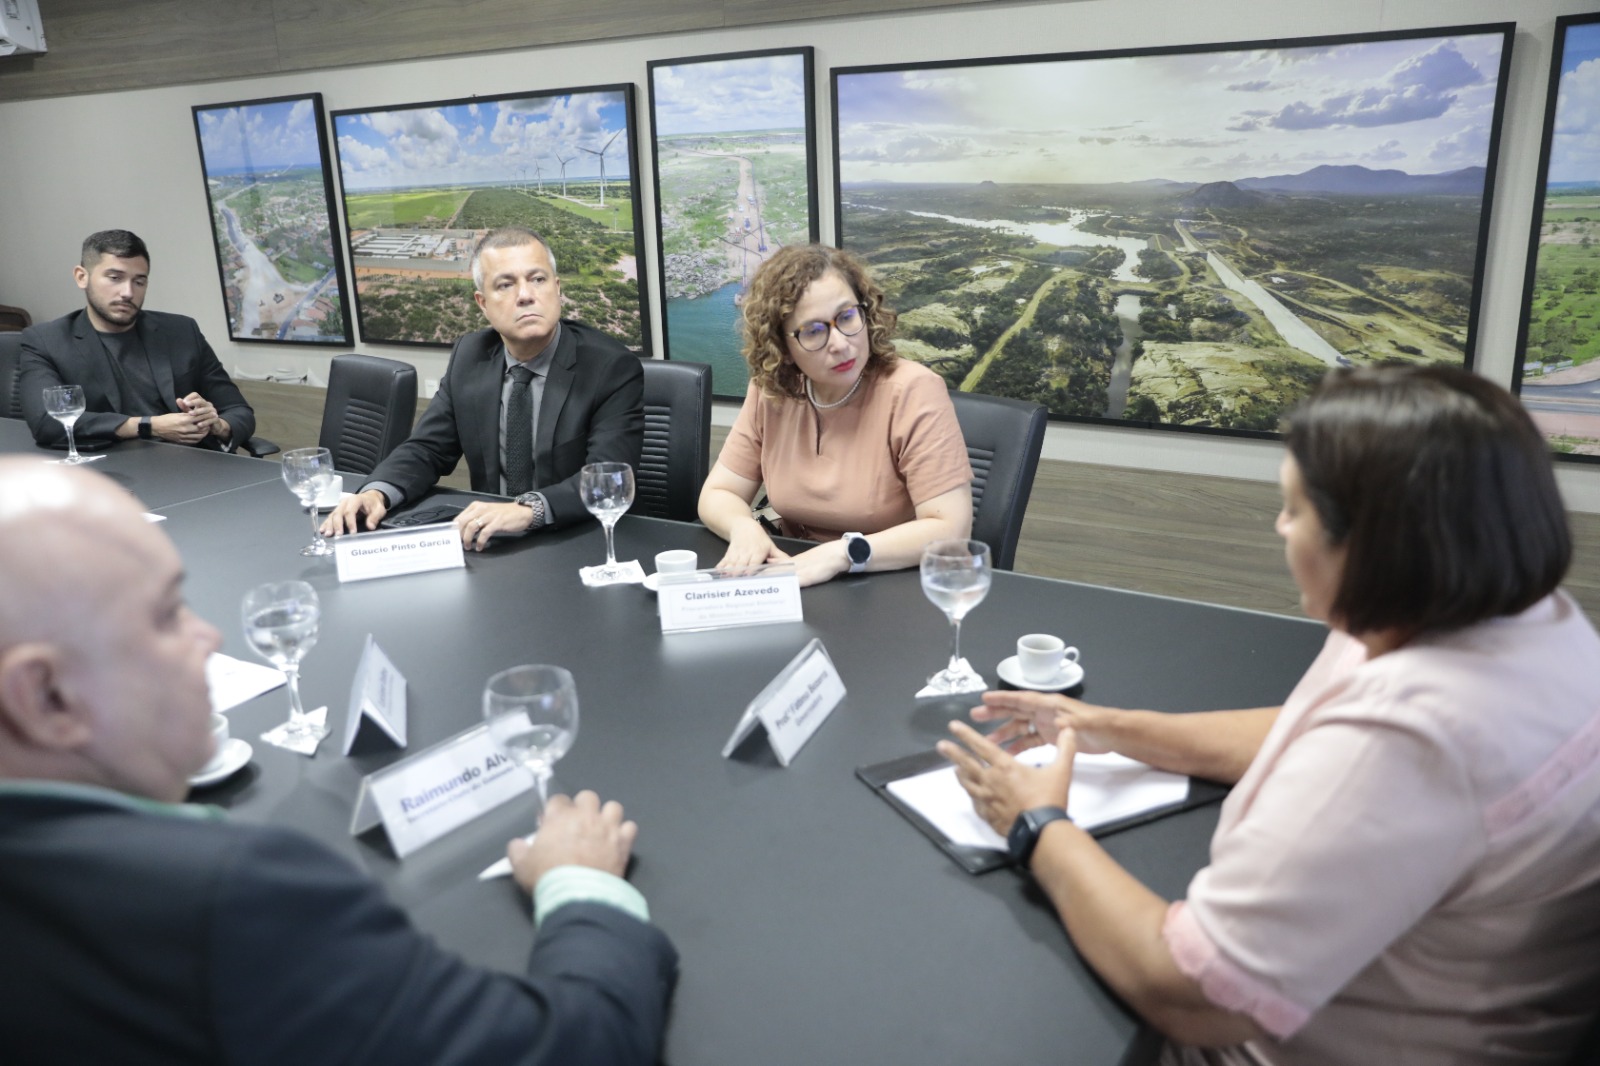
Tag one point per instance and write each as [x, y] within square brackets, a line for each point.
[733, 178]
[269, 216]
[1188, 239]
[1560, 382]
[423, 184]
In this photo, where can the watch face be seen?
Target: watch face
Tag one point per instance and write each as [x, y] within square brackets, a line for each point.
[859, 550]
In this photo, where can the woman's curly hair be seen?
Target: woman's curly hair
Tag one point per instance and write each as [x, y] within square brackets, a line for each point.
[775, 290]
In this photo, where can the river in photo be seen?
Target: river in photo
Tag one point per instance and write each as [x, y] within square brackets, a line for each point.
[1066, 234]
[1127, 310]
[706, 330]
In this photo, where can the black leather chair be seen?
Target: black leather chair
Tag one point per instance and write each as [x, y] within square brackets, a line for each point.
[677, 440]
[10, 378]
[14, 319]
[371, 404]
[1004, 438]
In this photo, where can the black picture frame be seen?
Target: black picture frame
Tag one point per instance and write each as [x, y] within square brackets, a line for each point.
[699, 289]
[276, 253]
[925, 153]
[420, 167]
[1561, 287]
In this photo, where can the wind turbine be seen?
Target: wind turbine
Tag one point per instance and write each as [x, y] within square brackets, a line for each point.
[564, 163]
[602, 155]
[538, 174]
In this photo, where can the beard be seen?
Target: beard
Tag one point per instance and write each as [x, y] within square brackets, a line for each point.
[119, 314]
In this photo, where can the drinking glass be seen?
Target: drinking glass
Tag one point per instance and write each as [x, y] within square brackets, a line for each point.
[65, 404]
[280, 622]
[308, 472]
[607, 491]
[955, 576]
[532, 713]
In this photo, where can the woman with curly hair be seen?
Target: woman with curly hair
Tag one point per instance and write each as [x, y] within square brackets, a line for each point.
[859, 449]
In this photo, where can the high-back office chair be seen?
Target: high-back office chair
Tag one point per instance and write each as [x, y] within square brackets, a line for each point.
[1004, 438]
[371, 404]
[14, 319]
[10, 375]
[677, 440]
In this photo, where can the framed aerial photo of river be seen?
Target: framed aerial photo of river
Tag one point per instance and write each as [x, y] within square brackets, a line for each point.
[735, 171]
[1178, 237]
[422, 183]
[270, 191]
[1558, 349]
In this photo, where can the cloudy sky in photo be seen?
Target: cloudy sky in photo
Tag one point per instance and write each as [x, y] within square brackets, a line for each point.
[1422, 105]
[1575, 155]
[489, 141]
[730, 95]
[260, 137]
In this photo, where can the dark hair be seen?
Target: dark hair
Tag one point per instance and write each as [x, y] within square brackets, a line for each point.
[117, 243]
[507, 237]
[778, 286]
[1440, 489]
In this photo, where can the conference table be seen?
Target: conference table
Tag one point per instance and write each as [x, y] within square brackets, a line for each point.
[815, 924]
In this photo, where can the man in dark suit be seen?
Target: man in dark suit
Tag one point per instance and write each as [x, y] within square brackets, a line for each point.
[529, 402]
[144, 373]
[138, 929]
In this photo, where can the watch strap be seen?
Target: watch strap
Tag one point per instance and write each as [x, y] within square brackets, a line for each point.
[1024, 835]
[536, 502]
[146, 430]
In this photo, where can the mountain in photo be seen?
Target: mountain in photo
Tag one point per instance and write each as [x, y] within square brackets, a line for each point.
[1220, 194]
[1364, 181]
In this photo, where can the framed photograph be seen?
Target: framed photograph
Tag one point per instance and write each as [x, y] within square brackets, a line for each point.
[1558, 346]
[423, 183]
[270, 191]
[1183, 238]
[735, 173]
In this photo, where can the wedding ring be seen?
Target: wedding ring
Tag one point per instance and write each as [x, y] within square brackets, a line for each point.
[1033, 727]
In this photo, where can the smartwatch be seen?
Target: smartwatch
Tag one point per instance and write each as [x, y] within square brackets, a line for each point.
[858, 549]
[1024, 835]
[146, 432]
[535, 502]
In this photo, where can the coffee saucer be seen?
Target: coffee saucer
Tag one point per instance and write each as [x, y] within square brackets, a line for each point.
[235, 757]
[1011, 673]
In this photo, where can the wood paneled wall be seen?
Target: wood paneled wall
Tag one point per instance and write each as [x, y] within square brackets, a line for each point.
[113, 45]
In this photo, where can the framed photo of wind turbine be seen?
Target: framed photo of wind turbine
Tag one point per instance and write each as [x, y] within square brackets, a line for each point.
[1558, 347]
[423, 183]
[270, 191]
[735, 180]
[1183, 238]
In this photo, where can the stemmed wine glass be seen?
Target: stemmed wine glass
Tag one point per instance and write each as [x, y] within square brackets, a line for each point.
[955, 576]
[280, 622]
[308, 472]
[607, 491]
[65, 404]
[532, 712]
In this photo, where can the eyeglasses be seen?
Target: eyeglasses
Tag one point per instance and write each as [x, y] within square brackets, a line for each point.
[814, 335]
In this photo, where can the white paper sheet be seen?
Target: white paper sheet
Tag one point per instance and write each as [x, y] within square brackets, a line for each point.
[1105, 788]
[234, 681]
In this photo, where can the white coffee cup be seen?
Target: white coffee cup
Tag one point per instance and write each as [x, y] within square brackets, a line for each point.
[1040, 655]
[219, 740]
[328, 498]
[677, 561]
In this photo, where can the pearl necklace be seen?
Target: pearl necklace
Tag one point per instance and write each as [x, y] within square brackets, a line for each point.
[841, 401]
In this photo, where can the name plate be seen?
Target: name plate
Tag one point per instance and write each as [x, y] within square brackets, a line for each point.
[377, 703]
[420, 799]
[387, 552]
[710, 599]
[794, 705]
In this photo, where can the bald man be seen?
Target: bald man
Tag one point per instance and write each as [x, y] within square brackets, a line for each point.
[136, 929]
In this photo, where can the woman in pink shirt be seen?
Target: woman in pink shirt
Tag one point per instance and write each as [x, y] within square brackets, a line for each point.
[1408, 867]
[859, 449]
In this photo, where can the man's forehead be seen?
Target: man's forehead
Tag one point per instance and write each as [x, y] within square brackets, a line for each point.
[137, 265]
[518, 259]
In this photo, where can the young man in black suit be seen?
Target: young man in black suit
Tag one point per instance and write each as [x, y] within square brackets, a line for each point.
[144, 373]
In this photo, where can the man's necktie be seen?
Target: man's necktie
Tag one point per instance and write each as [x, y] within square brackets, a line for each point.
[519, 433]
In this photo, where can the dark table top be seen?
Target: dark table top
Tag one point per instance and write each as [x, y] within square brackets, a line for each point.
[815, 924]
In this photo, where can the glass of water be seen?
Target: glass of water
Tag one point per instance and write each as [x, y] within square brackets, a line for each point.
[607, 491]
[955, 576]
[65, 404]
[280, 622]
[309, 473]
[532, 713]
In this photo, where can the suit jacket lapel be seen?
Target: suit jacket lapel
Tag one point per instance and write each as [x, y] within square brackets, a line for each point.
[95, 362]
[160, 361]
[557, 387]
[482, 405]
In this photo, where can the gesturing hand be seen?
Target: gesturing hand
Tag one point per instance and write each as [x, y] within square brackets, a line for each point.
[1001, 787]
